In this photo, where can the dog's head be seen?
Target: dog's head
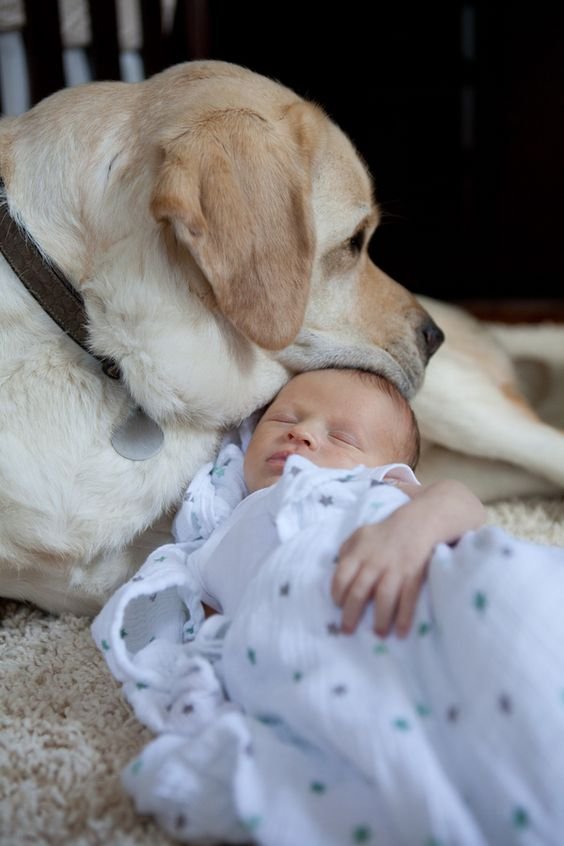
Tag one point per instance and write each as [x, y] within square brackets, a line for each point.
[210, 215]
[274, 204]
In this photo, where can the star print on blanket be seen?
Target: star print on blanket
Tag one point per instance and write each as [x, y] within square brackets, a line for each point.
[273, 727]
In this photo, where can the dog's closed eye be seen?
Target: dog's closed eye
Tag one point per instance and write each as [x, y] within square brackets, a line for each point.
[344, 256]
[356, 243]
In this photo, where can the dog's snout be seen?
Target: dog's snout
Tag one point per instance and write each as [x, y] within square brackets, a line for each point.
[432, 336]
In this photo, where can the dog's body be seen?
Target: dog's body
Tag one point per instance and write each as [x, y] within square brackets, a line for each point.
[481, 406]
[216, 227]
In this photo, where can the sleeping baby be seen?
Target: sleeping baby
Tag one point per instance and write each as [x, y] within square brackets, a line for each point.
[378, 668]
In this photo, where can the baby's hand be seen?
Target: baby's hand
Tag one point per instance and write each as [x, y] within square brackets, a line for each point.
[384, 563]
[387, 562]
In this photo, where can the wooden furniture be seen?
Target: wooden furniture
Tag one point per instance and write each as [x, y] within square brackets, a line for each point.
[184, 39]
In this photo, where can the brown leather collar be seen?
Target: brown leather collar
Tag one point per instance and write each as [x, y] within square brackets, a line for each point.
[47, 284]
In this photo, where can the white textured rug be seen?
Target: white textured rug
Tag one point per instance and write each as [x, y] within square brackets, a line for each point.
[66, 733]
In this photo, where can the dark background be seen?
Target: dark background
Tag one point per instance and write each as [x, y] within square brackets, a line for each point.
[457, 108]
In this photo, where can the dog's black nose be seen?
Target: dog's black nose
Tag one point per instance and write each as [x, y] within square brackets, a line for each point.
[432, 337]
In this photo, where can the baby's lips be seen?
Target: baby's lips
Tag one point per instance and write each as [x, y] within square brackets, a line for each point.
[279, 456]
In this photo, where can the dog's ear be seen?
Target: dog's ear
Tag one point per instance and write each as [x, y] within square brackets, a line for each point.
[237, 190]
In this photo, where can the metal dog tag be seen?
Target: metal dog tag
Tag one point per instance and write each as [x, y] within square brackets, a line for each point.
[138, 437]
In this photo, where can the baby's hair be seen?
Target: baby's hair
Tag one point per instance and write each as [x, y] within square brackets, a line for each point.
[412, 441]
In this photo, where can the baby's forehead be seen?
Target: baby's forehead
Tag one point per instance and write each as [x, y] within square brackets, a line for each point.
[328, 376]
[323, 389]
[301, 385]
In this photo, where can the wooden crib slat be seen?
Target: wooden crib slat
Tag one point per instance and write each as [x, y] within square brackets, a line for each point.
[44, 51]
[104, 50]
[152, 27]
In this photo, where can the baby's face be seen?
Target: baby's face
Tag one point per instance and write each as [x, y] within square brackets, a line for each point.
[331, 418]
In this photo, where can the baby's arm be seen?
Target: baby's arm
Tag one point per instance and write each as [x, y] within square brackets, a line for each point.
[387, 562]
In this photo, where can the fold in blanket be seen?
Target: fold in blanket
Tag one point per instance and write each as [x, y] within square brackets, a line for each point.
[274, 727]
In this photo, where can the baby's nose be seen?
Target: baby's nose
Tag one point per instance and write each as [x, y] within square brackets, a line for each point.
[301, 436]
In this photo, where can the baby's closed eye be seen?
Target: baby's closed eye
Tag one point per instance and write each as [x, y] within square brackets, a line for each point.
[282, 418]
[344, 438]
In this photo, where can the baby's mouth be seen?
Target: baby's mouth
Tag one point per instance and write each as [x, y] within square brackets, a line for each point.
[278, 459]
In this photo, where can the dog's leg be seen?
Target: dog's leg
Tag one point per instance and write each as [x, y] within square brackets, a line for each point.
[476, 406]
[59, 586]
[538, 342]
[463, 411]
[491, 481]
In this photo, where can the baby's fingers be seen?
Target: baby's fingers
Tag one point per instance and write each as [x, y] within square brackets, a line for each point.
[357, 597]
[386, 601]
[345, 574]
[408, 601]
[353, 552]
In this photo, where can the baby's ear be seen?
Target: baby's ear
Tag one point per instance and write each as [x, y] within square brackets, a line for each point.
[236, 189]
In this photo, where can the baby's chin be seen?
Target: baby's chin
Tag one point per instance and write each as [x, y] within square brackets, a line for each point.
[263, 480]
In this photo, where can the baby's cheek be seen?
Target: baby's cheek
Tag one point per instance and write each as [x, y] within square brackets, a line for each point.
[338, 458]
[248, 471]
[255, 470]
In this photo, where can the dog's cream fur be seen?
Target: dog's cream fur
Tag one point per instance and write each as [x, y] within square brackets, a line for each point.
[206, 217]
[476, 407]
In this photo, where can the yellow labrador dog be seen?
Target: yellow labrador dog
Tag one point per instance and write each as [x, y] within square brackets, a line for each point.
[215, 227]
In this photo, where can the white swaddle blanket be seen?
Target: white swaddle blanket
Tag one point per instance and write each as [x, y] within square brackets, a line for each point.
[273, 727]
